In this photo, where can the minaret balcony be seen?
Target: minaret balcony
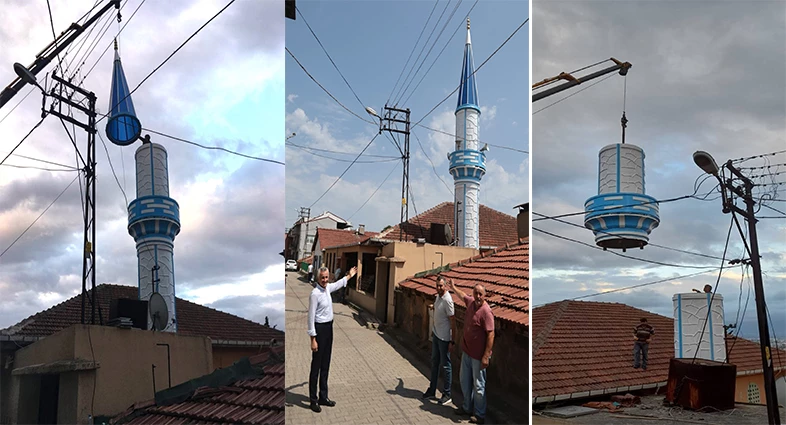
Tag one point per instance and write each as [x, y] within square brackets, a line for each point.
[154, 215]
[467, 164]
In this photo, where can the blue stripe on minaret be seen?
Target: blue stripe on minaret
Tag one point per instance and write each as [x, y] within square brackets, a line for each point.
[153, 172]
[174, 291]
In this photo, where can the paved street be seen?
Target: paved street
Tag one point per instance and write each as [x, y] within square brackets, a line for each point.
[370, 381]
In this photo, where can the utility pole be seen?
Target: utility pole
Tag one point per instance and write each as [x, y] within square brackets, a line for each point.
[305, 215]
[389, 124]
[63, 93]
[746, 194]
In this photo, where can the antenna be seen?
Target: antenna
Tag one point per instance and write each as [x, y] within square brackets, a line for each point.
[158, 311]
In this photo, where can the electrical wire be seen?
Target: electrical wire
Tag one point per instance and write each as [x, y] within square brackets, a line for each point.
[659, 263]
[214, 147]
[39, 217]
[346, 160]
[554, 217]
[714, 291]
[37, 168]
[479, 141]
[345, 171]
[621, 237]
[432, 164]
[339, 152]
[326, 90]
[362, 105]
[748, 158]
[45, 161]
[412, 51]
[112, 167]
[375, 191]
[22, 141]
[474, 72]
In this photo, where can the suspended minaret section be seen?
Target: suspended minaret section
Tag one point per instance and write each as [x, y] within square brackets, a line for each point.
[153, 217]
[467, 162]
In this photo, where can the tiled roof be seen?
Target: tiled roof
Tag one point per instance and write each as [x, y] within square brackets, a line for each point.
[252, 395]
[330, 238]
[504, 272]
[496, 228]
[192, 319]
[581, 346]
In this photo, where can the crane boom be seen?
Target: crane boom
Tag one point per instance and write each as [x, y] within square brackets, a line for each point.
[49, 52]
[622, 67]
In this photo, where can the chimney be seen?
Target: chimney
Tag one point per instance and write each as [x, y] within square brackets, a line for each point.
[523, 220]
[361, 229]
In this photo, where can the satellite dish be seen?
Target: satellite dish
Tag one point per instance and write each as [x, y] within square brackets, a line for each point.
[158, 311]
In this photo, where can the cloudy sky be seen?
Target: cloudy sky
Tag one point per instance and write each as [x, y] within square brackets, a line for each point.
[371, 43]
[224, 88]
[706, 76]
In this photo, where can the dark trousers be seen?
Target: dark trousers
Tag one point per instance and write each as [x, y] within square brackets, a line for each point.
[440, 358]
[640, 354]
[320, 361]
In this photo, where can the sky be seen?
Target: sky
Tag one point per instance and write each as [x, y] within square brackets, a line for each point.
[224, 88]
[370, 43]
[706, 76]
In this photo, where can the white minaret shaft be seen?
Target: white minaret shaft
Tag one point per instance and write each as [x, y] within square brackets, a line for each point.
[467, 162]
[154, 222]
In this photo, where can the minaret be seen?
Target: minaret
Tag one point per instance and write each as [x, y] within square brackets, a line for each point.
[153, 217]
[467, 162]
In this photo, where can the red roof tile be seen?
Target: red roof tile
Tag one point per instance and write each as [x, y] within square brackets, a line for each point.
[504, 272]
[192, 319]
[255, 399]
[496, 228]
[330, 238]
[581, 346]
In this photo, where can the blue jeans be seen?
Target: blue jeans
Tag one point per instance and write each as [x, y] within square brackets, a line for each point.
[640, 349]
[440, 357]
[473, 385]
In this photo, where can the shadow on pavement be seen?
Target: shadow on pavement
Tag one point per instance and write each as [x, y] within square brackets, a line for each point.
[430, 406]
[294, 399]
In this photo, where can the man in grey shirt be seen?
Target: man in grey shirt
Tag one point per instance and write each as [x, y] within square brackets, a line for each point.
[443, 331]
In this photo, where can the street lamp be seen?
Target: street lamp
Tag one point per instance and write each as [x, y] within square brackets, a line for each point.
[372, 112]
[27, 76]
[705, 161]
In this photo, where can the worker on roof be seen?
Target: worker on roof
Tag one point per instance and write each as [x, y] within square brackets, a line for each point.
[642, 334]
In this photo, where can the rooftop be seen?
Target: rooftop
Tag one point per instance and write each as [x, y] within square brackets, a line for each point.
[331, 238]
[504, 272]
[583, 348]
[496, 228]
[192, 319]
[249, 392]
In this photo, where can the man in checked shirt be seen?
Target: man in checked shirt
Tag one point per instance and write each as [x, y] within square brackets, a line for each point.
[320, 329]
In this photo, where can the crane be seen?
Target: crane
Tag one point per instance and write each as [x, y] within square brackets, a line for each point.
[572, 81]
[42, 59]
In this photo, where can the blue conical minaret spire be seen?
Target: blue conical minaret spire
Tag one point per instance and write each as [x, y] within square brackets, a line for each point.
[468, 160]
[123, 127]
[468, 92]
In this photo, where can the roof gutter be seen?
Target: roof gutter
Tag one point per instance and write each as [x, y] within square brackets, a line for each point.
[585, 394]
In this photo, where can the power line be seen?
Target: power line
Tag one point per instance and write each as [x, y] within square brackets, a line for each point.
[112, 167]
[620, 237]
[774, 209]
[574, 93]
[214, 147]
[423, 62]
[170, 57]
[748, 158]
[39, 216]
[324, 89]
[479, 141]
[441, 51]
[375, 191]
[345, 171]
[54, 36]
[22, 141]
[412, 51]
[400, 90]
[45, 161]
[37, 168]
[17, 104]
[476, 70]
[346, 160]
[432, 164]
[362, 105]
[659, 263]
[554, 217]
[339, 152]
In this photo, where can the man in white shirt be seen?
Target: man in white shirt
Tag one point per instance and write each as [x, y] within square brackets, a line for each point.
[442, 341]
[310, 273]
[320, 329]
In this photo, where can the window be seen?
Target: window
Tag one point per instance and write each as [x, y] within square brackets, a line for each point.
[753, 393]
